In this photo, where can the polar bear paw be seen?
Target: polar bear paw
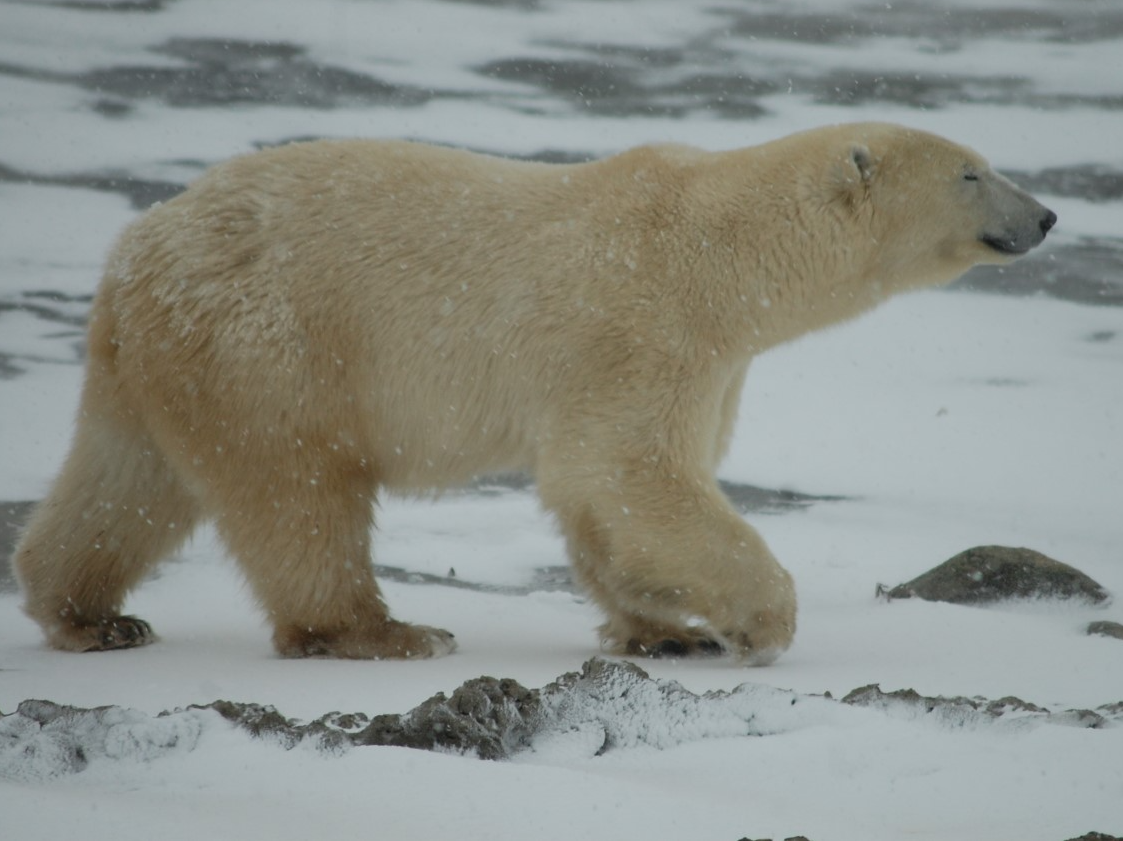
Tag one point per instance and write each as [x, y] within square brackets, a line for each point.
[107, 634]
[632, 635]
[391, 640]
[767, 636]
[674, 647]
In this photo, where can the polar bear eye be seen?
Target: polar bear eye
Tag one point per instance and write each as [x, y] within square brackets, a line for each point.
[970, 176]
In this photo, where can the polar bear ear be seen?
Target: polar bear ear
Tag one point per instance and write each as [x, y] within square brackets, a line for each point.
[863, 162]
[850, 174]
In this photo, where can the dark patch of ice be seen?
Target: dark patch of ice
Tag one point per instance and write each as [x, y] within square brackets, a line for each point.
[117, 6]
[141, 193]
[1088, 271]
[943, 28]
[12, 517]
[747, 498]
[226, 71]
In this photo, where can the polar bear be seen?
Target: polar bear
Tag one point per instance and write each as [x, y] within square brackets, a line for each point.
[307, 325]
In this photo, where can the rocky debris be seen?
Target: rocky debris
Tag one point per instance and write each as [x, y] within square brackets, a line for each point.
[988, 574]
[330, 732]
[1106, 629]
[960, 711]
[45, 740]
[606, 706]
[490, 718]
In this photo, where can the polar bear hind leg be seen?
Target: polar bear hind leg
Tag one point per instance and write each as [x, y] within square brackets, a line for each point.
[115, 510]
[304, 547]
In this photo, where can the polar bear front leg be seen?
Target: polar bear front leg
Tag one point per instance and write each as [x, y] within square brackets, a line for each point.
[674, 566]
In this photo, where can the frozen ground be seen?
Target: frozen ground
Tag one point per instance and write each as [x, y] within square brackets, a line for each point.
[941, 421]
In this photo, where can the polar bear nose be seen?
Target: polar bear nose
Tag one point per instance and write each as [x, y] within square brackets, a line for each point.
[1048, 222]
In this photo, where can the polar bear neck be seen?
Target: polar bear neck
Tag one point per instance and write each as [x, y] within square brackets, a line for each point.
[756, 261]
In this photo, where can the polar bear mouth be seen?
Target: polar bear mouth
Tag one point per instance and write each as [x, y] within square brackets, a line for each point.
[1019, 240]
[1005, 245]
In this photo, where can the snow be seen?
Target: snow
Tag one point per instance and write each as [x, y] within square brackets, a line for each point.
[945, 419]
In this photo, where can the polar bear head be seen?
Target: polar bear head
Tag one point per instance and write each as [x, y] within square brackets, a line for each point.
[935, 208]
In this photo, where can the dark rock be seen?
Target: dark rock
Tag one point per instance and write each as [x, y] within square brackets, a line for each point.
[485, 716]
[1106, 629]
[265, 722]
[988, 574]
[1096, 836]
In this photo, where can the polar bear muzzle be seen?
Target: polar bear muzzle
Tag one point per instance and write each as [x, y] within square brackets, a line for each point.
[1024, 221]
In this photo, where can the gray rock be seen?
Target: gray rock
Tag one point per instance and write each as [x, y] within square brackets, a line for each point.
[1106, 629]
[988, 574]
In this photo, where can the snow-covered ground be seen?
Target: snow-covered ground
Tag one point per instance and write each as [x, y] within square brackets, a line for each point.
[946, 419]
